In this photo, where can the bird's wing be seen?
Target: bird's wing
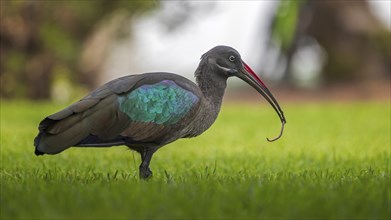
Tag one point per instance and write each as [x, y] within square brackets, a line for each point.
[56, 122]
[159, 111]
[142, 107]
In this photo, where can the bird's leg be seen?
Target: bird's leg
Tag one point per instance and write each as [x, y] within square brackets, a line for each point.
[146, 156]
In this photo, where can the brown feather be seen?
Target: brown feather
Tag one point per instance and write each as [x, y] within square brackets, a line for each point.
[146, 132]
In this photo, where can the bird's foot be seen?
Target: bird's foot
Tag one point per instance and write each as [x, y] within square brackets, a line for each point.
[145, 173]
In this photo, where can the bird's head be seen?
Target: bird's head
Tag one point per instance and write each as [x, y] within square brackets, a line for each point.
[227, 62]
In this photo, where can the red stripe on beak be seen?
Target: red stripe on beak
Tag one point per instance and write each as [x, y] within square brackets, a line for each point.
[253, 74]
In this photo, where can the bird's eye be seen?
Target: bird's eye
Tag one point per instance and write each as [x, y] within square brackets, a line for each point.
[231, 58]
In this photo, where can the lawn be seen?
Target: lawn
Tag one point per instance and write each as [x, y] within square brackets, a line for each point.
[333, 162]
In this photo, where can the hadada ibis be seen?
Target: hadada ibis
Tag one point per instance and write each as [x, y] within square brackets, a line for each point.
[148, 111]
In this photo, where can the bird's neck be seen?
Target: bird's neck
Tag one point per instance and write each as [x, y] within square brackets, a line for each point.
[213, 91]
[210, 84]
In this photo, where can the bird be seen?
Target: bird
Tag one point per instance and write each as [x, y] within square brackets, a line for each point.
[148, 111]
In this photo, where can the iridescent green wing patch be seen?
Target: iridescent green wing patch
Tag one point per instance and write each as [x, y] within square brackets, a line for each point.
[162, 103]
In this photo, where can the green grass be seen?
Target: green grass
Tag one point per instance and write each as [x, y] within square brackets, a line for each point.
[333, 162]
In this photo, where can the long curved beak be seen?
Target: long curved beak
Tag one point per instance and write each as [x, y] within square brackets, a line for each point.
[249, 76]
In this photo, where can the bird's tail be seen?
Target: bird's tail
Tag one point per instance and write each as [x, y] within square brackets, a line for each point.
[52, 141]
[36, 144]
[73, 125]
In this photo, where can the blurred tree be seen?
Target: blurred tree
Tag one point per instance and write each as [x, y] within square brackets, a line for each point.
[42, 38]
[357, 45]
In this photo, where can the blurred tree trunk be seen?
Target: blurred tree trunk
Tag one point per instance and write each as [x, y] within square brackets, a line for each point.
[356, 43]
[42, 39]
[25, 66]
[38, 76]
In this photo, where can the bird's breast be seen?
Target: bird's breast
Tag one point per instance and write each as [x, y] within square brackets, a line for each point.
[206, 116]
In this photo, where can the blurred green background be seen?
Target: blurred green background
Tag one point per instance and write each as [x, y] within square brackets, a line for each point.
[327, 62]
[57, 49]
